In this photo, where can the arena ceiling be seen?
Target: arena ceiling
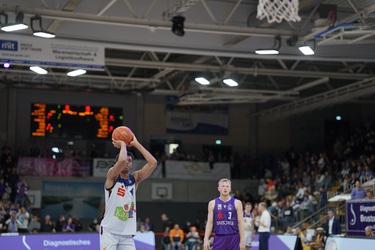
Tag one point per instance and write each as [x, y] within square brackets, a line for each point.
[143, 56]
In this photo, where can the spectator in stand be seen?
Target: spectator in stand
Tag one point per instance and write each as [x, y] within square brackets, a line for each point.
[176, 236]
[301, 191]
[285, 167]
[47, 225]
[287, 217]
[306, 181]
[322, 200]
[77, 224]
[7, 159]
[289, 231]
[34, 224]
[352, 181]
[192, 238]
[305, 239]
[367, 171]
[344, 184]
[327, 181]
[271, 195]
[69, 226]
[13, 223]
[60, 223]
[358, 192]
[359, 173]
[320, 239]
[166, 221]
[262, 189]
[94, 226]
[306, 205]
[3, 186]
[369, 195]
[369, 233]
[148, 225]
[237, 194]
[332, 225]
[273, 211]
[345, 169]
[165, 240]
[23, 216]
[21, 191]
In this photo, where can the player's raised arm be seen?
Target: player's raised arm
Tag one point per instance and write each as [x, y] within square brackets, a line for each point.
[209, 225]
[151, 164]
[114, 171]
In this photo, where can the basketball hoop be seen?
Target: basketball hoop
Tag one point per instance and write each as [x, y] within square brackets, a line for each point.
[277, 10]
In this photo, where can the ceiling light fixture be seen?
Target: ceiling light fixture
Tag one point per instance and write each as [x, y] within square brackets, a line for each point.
[178, 25]
[76, 72]
[271, 51]
[202, 81]
[38, 70]
[230, 82]
[40, 32]
[308, 48]
[17, 25]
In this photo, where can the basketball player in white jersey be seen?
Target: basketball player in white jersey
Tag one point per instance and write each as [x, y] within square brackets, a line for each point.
[248, 224]
[119, 221]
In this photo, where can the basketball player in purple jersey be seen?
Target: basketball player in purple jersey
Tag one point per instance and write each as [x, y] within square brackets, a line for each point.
[225, 219]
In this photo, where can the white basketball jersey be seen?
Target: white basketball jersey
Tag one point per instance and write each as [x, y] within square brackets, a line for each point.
[247, 221]
[120, 208]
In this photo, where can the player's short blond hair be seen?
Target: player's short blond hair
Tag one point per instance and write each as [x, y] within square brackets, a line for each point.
[224, 180]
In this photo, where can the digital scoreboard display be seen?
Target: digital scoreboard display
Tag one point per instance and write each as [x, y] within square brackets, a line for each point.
[72, 121]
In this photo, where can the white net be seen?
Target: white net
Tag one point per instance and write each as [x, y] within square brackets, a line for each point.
[277, 10]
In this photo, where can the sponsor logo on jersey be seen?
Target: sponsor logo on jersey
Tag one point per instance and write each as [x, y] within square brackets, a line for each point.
[220, 215]
[219, 206]
[121, 191]
[121, 214]
[230, 207]
[225, 223]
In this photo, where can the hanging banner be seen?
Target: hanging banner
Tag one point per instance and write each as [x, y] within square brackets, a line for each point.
[359, 215]
[190, 170]
[101, 166]
[29, 50]
[197, 123]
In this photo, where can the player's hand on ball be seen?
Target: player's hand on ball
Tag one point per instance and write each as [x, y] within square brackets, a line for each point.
[117, 143]
[133, 142]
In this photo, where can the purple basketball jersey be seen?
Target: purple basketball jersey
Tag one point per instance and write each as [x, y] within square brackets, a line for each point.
[225, 217]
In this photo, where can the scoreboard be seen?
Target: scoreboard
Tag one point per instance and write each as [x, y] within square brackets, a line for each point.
[73, 122]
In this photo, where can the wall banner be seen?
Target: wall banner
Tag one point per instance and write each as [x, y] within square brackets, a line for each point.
[75, 241]
[35, 166]
[197, 123]
[359, 214]
[190, 170]
[29, 50]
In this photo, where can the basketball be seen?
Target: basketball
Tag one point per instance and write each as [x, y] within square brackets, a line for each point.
[124, 134]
